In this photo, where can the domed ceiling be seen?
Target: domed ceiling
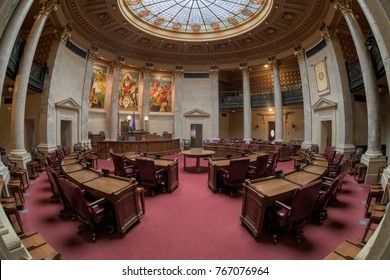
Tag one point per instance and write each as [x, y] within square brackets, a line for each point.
[195, 33]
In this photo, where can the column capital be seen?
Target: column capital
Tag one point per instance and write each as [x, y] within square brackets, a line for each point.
[299, 52]
[214, 71]
[147, 69]
[92, 52]
[178, 72]
[273, 62]
[65, 34]
[327, 33]
[244, 68]
[117, 64]
[343, 5]
[48, 6]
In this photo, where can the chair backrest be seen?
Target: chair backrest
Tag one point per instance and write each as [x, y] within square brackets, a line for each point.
[60, 153]
[11, 165]
[52, 159]
[67, 150]
[303, 203]
[324, 200]
[77, 147]
[56, 188]
[358, 153]
[146, 169]
[238, 169]
[36, 152]
[119, 164]
[261, 165]
[75, 197]
[337, 158]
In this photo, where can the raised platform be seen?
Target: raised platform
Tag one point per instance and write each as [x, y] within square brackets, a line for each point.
[152, 147]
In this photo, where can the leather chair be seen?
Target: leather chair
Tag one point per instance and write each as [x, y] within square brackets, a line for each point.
[90, 213]
[39, 157]
[232, 179]
[16, 172]
[260, 170]
[149, 177]
[60, 153]
[292, 218]
[67, 150]
[58, 194]
[272, 163]
[354, 159]
[325, 196]
[121, 168]
[54, 163]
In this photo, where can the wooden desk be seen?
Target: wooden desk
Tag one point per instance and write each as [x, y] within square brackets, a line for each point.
[315, 169]
[260, 194]
[121, 193]
[197, 154]
[171, 166]
[301, 177]
[215, 165]
[71, 167]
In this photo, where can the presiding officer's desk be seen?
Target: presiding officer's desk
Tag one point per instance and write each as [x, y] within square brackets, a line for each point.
[215, 165]
[171, 166]
[120, 192]
[261, 193]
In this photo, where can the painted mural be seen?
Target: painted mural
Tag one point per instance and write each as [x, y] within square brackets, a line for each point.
[98, 89]
[128, 91]
[160, 95]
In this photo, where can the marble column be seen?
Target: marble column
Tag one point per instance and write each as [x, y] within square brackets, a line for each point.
[275, 64]
[214, 115]
[380, 25]
[341, 84]
[145, 95]
[18, 152]
[299, 52]
[87, 85]
[373, 157]
[112, 112]
[47, 122]
[178, 100]
[247, 107]
[10, 33]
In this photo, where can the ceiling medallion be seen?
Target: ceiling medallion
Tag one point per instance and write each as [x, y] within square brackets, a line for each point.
[202, 18]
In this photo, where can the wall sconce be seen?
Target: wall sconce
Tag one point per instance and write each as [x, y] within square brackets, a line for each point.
[10, 89]
[270, 109]
[129, 117]
[146, 119]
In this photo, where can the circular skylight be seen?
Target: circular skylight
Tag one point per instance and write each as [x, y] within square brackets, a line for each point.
[195, 16]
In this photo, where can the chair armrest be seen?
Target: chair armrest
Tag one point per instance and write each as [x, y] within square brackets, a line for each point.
[223, 170]
[97, 202]
[129, 167]
[282, 205]
[160, 171]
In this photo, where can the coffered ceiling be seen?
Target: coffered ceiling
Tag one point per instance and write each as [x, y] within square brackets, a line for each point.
[103, 23]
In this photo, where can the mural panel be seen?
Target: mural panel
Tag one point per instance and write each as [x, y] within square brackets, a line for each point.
[98, 89]
[128, 91]
[160, 95]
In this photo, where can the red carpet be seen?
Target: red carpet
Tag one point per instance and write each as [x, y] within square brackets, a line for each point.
[193, 223]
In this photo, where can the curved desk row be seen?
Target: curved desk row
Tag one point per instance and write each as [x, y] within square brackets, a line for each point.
[261, 193]
[120, 192]
[160, 147]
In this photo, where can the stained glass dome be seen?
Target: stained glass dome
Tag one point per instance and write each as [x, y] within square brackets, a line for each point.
[195, 15]
[201, 18]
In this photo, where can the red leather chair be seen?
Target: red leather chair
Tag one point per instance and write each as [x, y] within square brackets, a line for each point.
[149, 177]
[60, 153]
[292, 218]
[260, 170]
[121, 168]
[90, 213]
[272, 163]
[58, 194]
[325, 196]
[232, 179]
